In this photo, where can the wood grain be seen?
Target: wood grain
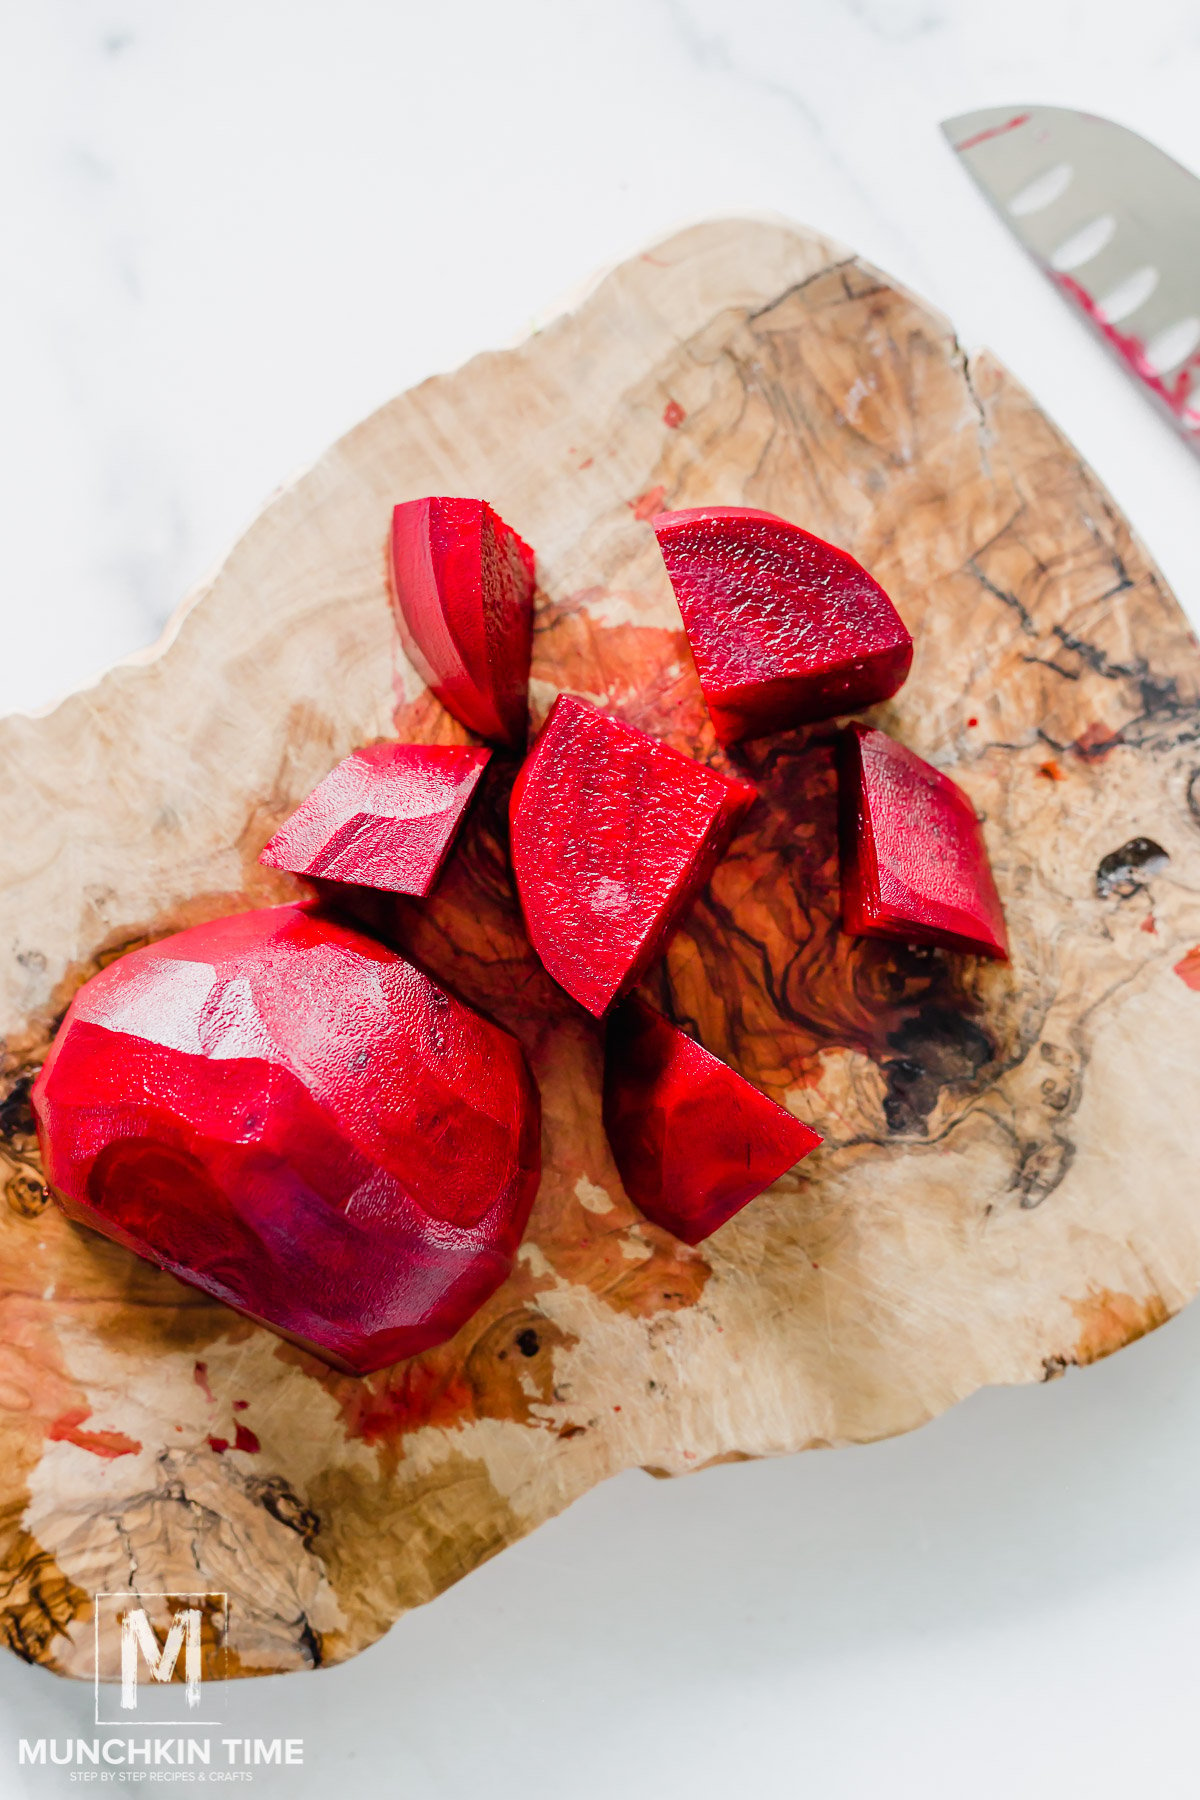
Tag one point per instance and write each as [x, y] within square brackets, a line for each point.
[1008, 1181]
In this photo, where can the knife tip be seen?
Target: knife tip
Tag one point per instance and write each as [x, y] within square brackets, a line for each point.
[968, 130]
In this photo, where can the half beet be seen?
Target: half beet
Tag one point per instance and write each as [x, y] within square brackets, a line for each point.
[462, 588]
[784, 628]
[693, 1142]
[613, 835]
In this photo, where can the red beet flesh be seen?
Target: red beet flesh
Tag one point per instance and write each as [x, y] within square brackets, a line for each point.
[384, 818]
[914, 863]
[784, 628]
[693, 1142]
[296, 1120]
[462, 588]
[613, 835]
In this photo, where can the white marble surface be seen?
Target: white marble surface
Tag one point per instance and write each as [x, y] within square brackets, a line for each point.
[232, 228]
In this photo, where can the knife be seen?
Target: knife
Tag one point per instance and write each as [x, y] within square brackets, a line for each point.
[1115, 224]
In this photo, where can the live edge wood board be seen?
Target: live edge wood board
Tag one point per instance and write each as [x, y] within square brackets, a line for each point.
[1008, 1182]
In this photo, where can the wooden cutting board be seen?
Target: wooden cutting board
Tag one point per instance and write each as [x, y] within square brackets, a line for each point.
[1008, 1181]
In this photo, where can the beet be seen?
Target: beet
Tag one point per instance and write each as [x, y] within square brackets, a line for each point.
[692, 1140]
[914, 863]
[384, 818]
[297, 1121]
[613, 835]
[463, 585]
[784, 628]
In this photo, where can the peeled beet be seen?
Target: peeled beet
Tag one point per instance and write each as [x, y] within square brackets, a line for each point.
[914, 863]
[462, 586]
[296, 1120]
[784, 628]
[613, 835]
[692, 1141]
[384, 818]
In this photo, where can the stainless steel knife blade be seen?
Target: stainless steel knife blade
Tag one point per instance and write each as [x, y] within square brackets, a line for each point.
[1114, 223]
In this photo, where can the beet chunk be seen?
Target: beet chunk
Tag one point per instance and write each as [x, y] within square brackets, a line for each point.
[693, 1142]
[784, 628]
[613, 835]
[914, 863]
[294, 1119]
[384, 818]
[462, 588]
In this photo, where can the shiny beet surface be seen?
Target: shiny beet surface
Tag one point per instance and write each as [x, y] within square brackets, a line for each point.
[692, 1141]
[784, 628]
[613, 835]
[384, 818]
[462, 589]
[296, 1120]
[913, 861]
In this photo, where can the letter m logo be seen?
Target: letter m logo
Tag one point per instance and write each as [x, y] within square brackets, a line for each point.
[138, 1635]
[156, 1654]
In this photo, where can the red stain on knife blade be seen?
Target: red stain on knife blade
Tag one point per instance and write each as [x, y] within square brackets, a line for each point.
[1183, 394]
[994, 131]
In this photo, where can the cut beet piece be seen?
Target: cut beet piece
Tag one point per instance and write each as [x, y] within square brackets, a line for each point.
[384, 818]
[613, 834]
[692, 1141]
[784, 628]
[463, 586]
[296, 1120]
[914, 863]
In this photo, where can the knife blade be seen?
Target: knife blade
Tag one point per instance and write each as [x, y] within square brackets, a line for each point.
[1114, 223]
